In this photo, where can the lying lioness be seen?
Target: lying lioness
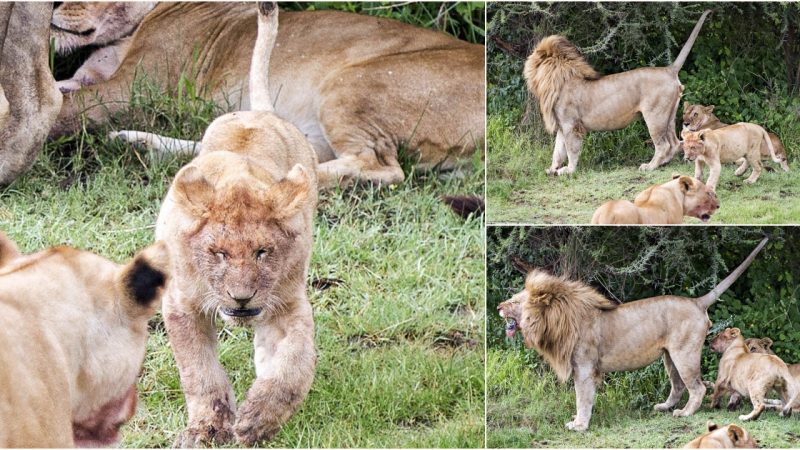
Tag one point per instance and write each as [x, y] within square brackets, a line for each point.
[699, 117]
[751, 374]
[729, 436]
[73, 327]
[726, 145]
[661, 204]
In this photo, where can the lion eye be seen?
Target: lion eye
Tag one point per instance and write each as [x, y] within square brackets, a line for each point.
[263, 253]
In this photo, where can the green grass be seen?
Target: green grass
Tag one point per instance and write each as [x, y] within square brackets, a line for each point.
[518, 191]
[400, 342]
[527, 407]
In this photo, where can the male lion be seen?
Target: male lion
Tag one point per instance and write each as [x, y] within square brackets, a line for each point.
[574, 99]
[238, 220]
[582, 334]
[726, 145]
[699, 117]
[73, 327]
[729, 436]
[661, 204]
[358, 87]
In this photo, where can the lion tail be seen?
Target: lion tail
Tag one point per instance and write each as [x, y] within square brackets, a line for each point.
[793, 388]
[8, 250]
[706, 300]
[465, 205]
[687, 47]
[771, 147]
[259, 66]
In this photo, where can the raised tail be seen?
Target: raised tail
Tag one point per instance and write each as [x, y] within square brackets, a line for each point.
[259, 65]
[687, 47]
[706, 300]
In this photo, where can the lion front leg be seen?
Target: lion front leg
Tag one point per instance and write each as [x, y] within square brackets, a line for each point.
[584, 397]
[209, 395]
[559, 154]
[285, 361]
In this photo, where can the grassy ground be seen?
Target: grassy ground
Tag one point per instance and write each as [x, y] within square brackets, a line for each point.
[518, 191]
[527, 407]
[400, 341]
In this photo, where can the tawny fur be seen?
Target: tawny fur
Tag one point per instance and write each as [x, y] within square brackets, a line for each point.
[729, 436]
[665, 203]
[74, 329]
[699, 117]
[575, 99]
[584, 335]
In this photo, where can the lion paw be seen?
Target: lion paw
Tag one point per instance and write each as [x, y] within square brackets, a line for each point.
[67, 86]
[577, 426]
[749, 181]
[551, 172]
[254, 425]
[663, 407]
[744, 417]
[203, 436]
[645, 168]
[681, 413]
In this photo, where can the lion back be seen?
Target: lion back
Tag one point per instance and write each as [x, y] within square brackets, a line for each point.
[553, 63]
[556, 315]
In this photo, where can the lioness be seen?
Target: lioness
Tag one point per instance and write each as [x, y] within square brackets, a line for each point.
[574, 99]
[726, 145]
[751, 374]
[357, 87]
[582, 334]
[763, 345]
[661, 204]
[699, 117]
[238, 220]
[74, 328]
[729, 436]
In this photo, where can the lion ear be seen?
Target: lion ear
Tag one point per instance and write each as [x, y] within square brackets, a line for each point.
[675, 175]
[767, 342]
[686, 183]
[702, 136]
[143, 279]
[735, 332]
[735, 433]
[193, 191]
[686, 106]
[711, 426]
[710, 108]
[289, 196]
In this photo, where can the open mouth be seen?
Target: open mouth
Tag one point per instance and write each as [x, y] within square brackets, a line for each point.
[511, 327]
[76, 33]
[241, 312]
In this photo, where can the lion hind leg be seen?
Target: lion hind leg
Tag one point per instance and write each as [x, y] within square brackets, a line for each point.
[662, 132]
[677, 386]
[743, 164]
[756, 163]
[756, 394]
[688, 366]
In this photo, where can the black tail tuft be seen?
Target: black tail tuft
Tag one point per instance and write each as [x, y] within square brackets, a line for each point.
[464, 205]
[266, 8]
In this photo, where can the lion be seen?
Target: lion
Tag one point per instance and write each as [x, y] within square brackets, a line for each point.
[665, 203]
[238, 220]
[29, 99]
[751, 374]
[379, 85]
[575, 99]
[581, 333]
[726, 145]
[729, 436]
[74, 329]
[699, 117]
[763, 345]
[108, 26]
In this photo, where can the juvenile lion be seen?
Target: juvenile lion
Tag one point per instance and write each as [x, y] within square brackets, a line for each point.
[73, 327]
[763, 345]
[661, 204]
[726, 145]
[238, 220]
[699, 117]
[729, 436]
[574, 99]
[751, 374]
[582, 334]
[358, 87]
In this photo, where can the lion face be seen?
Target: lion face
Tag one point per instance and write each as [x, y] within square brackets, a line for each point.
[762, 345]
[696, 117]
[76, 24]
[694, 144]
[723, 340]
[511, 311]
[699, 200]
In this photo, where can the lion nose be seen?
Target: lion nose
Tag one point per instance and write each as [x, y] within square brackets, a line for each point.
[242, 297]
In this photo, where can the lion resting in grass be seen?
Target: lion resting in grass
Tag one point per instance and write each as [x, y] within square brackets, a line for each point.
[74, 329]
[582, 334]
[575, 99]
[729, 436]
[238, 220]
[358, 87]
[726, 145]
[699, 117]
[661, 204]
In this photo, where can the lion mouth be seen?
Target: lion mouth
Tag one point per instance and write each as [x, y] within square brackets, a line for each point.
[241, 312]
[705, 217]
[511, 327]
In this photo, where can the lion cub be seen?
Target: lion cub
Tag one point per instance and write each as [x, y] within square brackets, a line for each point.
[729, 436]
[661, 204]
[727, 145]
[751, 374]
[238, 220]
[74, 328]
